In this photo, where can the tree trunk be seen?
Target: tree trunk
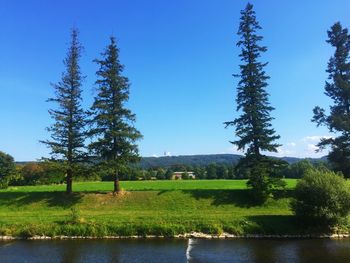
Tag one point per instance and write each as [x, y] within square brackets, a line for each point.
[69, 181]
[116, 183]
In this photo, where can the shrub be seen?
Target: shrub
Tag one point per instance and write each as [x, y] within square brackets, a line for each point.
[75, 216]
[298, 169]
[7, 169]
[322, 197]
[46, 172]
[185, 176]
[32, 173]
[264, 175]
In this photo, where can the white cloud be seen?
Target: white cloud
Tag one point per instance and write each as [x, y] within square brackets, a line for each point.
[233, 150]
[305, 147]
[282, 152]
[315, 138]
[312, 148]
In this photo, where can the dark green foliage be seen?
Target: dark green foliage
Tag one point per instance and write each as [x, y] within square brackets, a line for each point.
[41, 173]
[180, 167]
[222, 172]
[264, 174]
[185, 176]
[126, 173]
[168, 174]
[67, 132]
[194, 161]
[298, 169]
[52, 172]
[160, 174]
[178, 162]
[113, 124]
[200, 172]
[211, 171]
[7, 169]
[338, 89]
[231, 172]
[215, 171]
[253, 126]
[322, 197]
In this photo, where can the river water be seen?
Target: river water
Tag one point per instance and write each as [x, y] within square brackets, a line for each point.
[171, 250]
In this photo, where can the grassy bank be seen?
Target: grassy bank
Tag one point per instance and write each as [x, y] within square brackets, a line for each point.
[146, 207]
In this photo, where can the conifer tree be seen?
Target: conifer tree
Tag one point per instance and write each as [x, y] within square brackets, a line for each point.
[113, 124]
[67, 132]
[338, 89]
[253, 127]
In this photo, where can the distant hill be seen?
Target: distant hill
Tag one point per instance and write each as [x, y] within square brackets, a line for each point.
[200, 160]
[193, 160]
[203, 160]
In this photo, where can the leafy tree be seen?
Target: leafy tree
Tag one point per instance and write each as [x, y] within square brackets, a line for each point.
[46, 172]
[222, 172]
[160, 174]
[113, 124]
[179, 167]
[231, 172]
[298, 169]
[146, 175]
[264, 175]
[185, 176]
[211, 171]
[7, 169]
[338, 89]
[31, 173]
[168, 174]
[135, 174]
[322, 198]
[199, 172]
[253, 127]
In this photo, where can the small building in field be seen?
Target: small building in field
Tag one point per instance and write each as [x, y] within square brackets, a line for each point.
[179, 175]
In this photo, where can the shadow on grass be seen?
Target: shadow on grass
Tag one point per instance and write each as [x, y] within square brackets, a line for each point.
[274, 225]
[240, 198]
[283, 225]
[52, 199]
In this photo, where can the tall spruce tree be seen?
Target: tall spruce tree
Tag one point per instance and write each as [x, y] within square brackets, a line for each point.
[253, 127]
[338, 89]
[113, 123]
[67, 132]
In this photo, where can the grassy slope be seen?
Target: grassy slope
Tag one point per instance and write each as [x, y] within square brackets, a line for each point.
[148, 207]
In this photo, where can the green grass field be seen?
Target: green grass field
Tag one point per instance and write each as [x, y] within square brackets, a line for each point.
[145, 186]
[146, 207]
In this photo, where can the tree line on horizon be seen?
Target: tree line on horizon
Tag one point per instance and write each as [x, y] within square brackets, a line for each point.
[50, 172]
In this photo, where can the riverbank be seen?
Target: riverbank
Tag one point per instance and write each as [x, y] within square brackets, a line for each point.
[166, 209]
[182, 236]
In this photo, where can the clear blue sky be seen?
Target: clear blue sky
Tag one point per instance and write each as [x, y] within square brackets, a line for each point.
[179, 57]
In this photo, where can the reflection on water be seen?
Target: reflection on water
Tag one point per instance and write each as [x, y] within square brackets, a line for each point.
[171, 250]
[269, 251]
[94, 251]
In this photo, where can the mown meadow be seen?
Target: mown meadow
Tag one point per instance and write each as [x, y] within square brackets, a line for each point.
[162, 208]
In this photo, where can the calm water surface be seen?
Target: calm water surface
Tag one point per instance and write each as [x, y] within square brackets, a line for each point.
[168, 250]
